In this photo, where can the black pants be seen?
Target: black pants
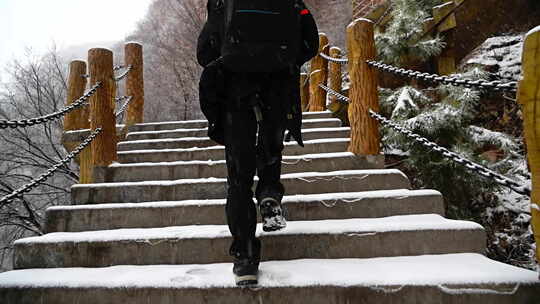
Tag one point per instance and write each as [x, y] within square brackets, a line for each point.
[250, 148]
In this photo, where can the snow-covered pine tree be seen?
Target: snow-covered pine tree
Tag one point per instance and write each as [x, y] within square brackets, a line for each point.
[446, 119]
[401, 40]
[447, 115]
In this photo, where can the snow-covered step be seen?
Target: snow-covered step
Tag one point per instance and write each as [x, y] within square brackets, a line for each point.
[202, 132]
[197, 124]
[169, 125]
[330, 145]
[188, 142]
[215, 188]
[464, 278]
[212, 212]
[326, 239]
[317, 115]
[204, 169]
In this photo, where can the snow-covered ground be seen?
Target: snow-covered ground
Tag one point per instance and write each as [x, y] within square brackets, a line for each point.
[499, 55]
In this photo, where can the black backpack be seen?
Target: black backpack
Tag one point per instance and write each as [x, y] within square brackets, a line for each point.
[261, 35]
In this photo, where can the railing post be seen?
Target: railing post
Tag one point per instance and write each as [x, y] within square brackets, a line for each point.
[363, 94]
[304, 91]
[334, 73]
[134, 83]
[319, 74]
[76, 119]
[102, 114]
[529, 98]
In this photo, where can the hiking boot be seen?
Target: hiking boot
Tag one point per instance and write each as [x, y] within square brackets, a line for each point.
[272, 214]
[245, 271]
[246, 262]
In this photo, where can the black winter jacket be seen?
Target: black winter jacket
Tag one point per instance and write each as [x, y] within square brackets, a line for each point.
[213, 95]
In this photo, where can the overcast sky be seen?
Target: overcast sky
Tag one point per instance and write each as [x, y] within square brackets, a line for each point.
[37, 23]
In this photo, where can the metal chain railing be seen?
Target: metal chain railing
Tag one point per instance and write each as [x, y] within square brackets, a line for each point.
[117, 100]
[339, 96]
[336, 60]
[385, 14]
[498, 178]
[28, 187]
[124, 107]
[434, 78]
[481, 84]
[123, 75]
[121, 98]
[49, 117]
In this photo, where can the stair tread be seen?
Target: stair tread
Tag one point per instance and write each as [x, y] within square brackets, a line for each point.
[350, 197]
[358, 227]
[218, 147]
[305, 115]
[302, 175]
[315, 120]
[443, 271]
[222, 161]
[197, 138]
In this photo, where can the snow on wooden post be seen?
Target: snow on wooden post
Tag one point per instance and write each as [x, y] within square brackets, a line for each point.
[76, 119]
[134, 83]
[334, 73]
[319, 74]
[363, 94]
[102, 114]
[304, 91]
[529, 98]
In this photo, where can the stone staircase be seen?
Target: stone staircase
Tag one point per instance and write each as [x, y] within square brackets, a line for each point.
[154, 231]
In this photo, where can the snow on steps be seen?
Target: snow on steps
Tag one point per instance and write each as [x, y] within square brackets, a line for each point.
[321, 162]
[215, 188]
[210, 212]
[188, 142]
[326, 239]
[202, 132]
[330, 145]
[187, 124]
[435, 279]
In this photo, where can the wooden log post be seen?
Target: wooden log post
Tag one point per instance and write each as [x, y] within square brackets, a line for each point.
[304, 91]
[529, 98]
[102, 114]
[76, 119]
[319, 74]
[334, 73]
[363, 94]
[134, 83]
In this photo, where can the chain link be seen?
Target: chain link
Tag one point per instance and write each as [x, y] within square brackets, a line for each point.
[339, 96]
[481, 84]
[123, 75]
[28, 187]
[118, 67]
[50, 117]
[124, 107]
[498, 178]
[384, 15]
[336, 60]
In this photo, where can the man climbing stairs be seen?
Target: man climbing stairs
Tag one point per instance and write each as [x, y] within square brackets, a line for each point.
[153, 230]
